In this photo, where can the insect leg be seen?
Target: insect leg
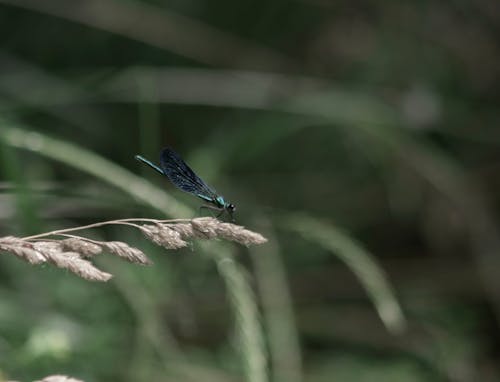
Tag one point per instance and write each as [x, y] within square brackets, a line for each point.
[212, 208]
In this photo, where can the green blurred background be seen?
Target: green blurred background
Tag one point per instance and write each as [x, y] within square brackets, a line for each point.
[362, 138]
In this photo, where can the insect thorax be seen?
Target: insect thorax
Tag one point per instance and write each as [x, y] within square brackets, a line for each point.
[220, 201]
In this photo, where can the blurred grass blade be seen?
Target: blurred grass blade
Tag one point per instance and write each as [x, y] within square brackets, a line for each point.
[381, 126]
[34, 87]
[163, 29]
[360, 262]
[148, 116]
[244, 306]
[278, 311]
[26, 208]
[93, 164]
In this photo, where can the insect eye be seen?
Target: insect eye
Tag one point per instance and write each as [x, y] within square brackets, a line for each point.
[232, 207]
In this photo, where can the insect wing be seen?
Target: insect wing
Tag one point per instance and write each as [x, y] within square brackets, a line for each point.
[149, 163]
[183, 177]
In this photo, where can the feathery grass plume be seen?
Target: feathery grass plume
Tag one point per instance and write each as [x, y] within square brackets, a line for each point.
[54, 253]
[126, 252]
[49, 251]
[184, 229]
[211, 228]
[164, 235]
[74, 263]
[70, 252]
[22, 249]
[59, 378]
[84, 247]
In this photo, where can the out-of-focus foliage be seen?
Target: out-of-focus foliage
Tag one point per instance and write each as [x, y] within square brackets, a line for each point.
[377, 122]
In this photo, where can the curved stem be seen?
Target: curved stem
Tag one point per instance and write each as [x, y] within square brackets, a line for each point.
[99, 224]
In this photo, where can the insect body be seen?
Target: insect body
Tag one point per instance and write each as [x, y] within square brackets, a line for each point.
[184, 178]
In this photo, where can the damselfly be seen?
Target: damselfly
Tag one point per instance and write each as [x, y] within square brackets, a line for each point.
[181, 175]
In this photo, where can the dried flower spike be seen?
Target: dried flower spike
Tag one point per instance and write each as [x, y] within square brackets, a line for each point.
[21, 249]
[69, 253]
[164, 235]
[126, 252]
[74, 263]
[212, 228]
[83, 247]
[59, 378]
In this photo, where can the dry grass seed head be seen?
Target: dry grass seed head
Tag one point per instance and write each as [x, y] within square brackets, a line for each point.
[75, 264]
[51, 251]
[59, 378]
[126, 252]
[21, 249]
[210, 228]
[185, 230]
[82, 246]
[205, 228]
[164, 235]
